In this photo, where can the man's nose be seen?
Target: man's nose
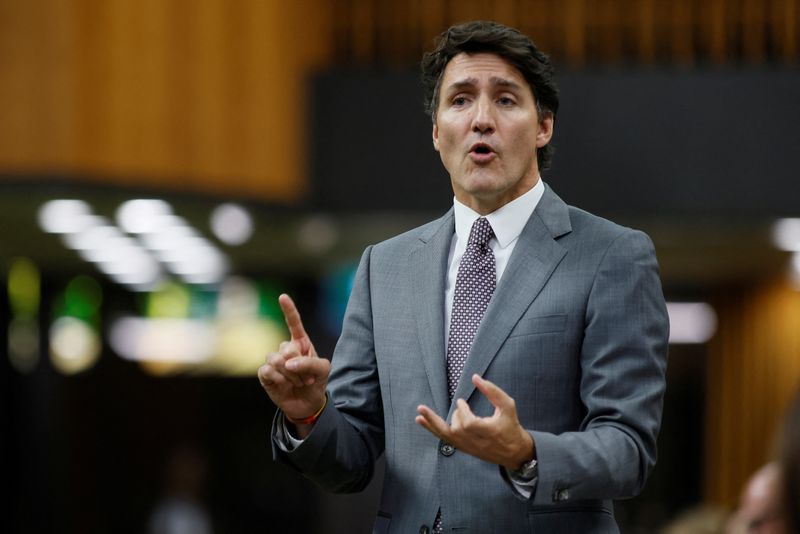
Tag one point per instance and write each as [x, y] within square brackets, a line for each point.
[483, 120]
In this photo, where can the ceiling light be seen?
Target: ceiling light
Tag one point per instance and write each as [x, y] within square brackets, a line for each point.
[691, 322]
[142, 215]
[318, 234]
[63, 216]
[165, 340]
[232, 224]
[786, 234]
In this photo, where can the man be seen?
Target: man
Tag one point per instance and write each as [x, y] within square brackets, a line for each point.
[508, 358]
[760, 506]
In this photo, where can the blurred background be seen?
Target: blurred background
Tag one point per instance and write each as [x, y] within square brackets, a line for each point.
[168, 167]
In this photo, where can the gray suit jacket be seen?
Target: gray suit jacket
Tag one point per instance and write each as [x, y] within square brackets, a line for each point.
[576, 333]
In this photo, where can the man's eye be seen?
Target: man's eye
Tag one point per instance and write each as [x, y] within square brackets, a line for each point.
[459, 101]
[505, 101]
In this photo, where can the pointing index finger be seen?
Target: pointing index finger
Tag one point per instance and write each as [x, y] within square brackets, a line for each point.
[293, 321]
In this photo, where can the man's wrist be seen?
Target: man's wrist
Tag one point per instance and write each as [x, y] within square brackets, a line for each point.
[311, 419]
[527, 453]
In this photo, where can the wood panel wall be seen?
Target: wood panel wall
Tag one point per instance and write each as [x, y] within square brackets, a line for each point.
[201, 95]
[208, 95]
[577, 32]
[753, 371]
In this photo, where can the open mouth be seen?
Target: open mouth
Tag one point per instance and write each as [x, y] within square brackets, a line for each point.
[481, 149]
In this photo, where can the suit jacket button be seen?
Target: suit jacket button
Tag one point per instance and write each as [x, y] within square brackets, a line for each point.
[561, 495]
[424, 529]
[446, 449]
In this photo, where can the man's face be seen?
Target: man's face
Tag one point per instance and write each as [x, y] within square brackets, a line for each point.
[487, 131]
[760, 507]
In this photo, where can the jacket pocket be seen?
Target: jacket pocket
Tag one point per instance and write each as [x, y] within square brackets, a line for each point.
[545, 324]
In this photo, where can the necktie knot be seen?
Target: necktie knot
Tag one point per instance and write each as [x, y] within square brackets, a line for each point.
[481, 233]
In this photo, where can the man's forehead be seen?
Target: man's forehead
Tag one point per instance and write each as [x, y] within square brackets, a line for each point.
[473, 69]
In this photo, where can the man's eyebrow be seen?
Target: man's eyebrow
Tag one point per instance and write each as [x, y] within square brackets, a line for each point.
[472, 82]
[504, 82]
[463, 84]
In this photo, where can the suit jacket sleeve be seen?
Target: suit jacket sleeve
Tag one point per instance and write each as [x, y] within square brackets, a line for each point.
[340, 453]
[622, 383]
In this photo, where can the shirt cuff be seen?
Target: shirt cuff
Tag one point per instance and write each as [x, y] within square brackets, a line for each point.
[286, 442]
[522, 487]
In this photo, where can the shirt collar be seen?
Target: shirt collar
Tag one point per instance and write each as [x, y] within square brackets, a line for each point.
[507, 221]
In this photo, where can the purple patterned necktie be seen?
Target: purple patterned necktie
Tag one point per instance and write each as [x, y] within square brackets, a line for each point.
[475, 285]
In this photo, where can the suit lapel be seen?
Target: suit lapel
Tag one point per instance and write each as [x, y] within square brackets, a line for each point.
[536, 255]
[428, 270]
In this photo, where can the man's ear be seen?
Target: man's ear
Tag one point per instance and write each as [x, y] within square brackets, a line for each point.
[435, 135]
[545, 131]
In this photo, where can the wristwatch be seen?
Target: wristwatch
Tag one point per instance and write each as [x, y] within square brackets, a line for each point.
[527, 471]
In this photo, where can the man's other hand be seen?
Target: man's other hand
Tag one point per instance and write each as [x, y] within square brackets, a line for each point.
[498, 439]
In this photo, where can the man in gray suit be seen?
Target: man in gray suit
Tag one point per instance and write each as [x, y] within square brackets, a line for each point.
[507, 358]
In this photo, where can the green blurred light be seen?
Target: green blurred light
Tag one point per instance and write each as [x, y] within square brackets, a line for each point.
[82, 298]
[203, 303]
[268, 302]
[171, 301]
[24, 288]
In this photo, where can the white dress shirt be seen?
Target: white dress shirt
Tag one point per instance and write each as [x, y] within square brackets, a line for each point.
[507, 223]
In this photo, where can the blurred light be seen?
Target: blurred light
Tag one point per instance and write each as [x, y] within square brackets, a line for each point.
[115, 254]
[318, 234]
[231, 224]
[268, 294]
[165, 340]
[170, 232]
[63, 216]
[137, 281]
[24, 292]
[74, 346]
[334, 295]
[142, 215]
[171, 301]
[794, 270]
[243, 345]
[23, 344]
[691, 322]
[122, 258]
[184, 252]
[238, 299]
[786, 234]
[196, 260]
[96, 235]
[82, 298]
[24, 287]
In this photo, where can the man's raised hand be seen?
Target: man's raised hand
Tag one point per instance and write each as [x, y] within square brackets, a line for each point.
[294, 377]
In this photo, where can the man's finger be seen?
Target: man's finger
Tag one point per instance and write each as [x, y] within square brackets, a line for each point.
[498, 397]
[463, 413]
[434, 424]
[293, 321]
[318, 368]
[269, 377]
[277, 363]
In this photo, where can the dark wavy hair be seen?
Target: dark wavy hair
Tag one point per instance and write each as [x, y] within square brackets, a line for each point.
[510, 44]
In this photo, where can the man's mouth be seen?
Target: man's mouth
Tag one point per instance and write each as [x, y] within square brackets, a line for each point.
[481, 148]
[481, 153]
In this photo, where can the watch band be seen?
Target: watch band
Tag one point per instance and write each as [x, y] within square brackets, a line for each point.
[527, 471]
